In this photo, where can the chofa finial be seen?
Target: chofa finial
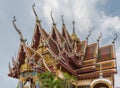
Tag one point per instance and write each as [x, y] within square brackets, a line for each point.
[99, 37]
[33, 7]
[18, 31]
[116, 36]
[88, 35]
[52, 18]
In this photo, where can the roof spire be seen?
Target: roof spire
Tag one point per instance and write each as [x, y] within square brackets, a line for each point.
[19, 32]
[73, 27]
[101, 73]
[99, 38]
[116, 36]
[35, 11]
[62, 20]
[52, 18]
[88, 35]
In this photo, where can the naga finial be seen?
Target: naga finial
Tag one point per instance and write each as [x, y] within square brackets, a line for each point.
[88, 35]
[52, 18]
[116, 36]
[99, 37]
[35, 11]
[62, 20]
[18, 31]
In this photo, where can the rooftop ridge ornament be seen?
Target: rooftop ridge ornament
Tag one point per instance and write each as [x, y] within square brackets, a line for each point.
[99, 38]
[52, 18]
[18, 31]
[73, 27]
[116, 36]
[62, 20]
[33, 7]
[88, 35]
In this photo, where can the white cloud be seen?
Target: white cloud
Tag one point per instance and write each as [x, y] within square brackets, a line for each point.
[83, 11]
[87, 14]
[50, 6]
[109, 22]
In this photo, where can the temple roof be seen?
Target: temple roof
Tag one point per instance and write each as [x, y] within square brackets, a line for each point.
[74, 56]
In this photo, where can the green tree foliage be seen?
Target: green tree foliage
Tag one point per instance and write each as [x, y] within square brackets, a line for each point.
[68, 80]
[49, 80]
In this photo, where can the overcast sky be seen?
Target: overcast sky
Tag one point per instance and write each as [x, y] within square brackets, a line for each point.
[96, 15]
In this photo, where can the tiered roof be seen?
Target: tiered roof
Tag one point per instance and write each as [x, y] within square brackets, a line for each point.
[66, 52]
